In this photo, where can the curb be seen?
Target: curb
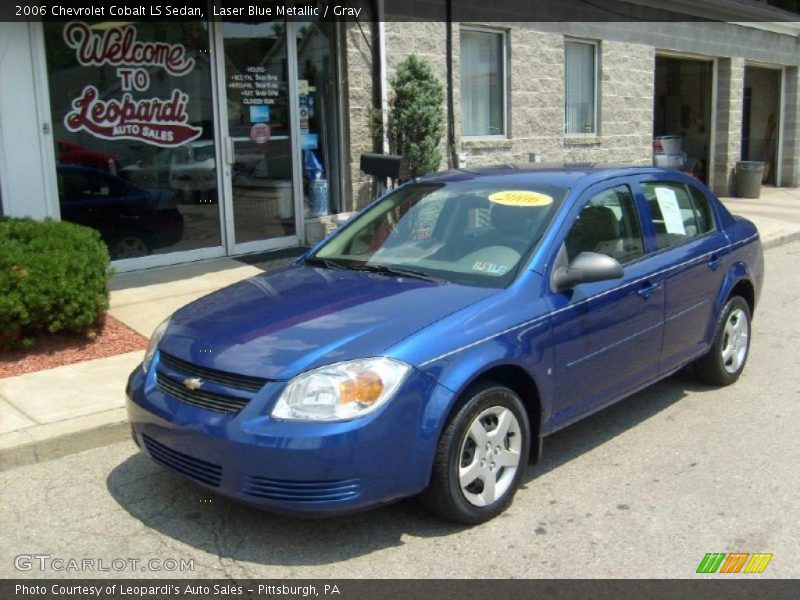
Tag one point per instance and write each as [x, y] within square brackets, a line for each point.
[47, 442]
[56, 440]
[781, 240]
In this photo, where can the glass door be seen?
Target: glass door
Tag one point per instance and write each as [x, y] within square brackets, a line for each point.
[257, 115]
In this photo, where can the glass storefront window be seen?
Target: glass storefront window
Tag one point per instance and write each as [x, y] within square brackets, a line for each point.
[132, 116]
[318, 110]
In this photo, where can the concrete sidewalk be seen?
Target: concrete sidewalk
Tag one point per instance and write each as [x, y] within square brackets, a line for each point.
[52, 413]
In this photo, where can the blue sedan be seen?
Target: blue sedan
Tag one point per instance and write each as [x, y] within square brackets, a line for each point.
[431, 344]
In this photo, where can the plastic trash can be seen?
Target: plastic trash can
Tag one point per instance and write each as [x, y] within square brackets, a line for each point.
[748, 178]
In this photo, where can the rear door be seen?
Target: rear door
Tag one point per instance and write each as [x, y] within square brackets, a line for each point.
[682, 232]
[606, 335]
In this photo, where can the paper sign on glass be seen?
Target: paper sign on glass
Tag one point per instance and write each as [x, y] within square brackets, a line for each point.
[670, 210]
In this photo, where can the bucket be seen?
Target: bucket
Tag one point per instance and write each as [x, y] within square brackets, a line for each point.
[748, 178]
[668, 144]
[670, 161]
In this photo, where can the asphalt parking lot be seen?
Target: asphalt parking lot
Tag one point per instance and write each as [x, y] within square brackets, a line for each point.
[643, 489]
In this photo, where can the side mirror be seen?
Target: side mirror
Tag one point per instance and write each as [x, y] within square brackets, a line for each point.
[587, 267]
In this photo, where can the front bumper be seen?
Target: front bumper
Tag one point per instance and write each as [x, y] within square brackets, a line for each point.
[293, 467]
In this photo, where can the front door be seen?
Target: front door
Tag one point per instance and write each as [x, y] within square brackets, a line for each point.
[278, 109]
[607, 335]
[257, 115]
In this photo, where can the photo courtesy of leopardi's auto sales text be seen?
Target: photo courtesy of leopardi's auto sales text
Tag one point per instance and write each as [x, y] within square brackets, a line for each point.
[389, 299]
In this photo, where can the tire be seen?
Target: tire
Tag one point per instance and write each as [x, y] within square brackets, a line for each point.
[129, 245]
[465, 498]
[727, 357]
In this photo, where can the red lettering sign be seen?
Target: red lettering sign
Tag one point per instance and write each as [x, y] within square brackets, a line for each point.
[153, 120]
[118, 46]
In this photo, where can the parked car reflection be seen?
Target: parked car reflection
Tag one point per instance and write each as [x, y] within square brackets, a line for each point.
[133, 221]
[73, 154]
[193, 171]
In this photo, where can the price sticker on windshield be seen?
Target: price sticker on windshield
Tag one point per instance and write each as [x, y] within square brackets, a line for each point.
[521, 198]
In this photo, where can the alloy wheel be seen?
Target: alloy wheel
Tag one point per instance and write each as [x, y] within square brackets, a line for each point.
[490, 456]
[735, 340]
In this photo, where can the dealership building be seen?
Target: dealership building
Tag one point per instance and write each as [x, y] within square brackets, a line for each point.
[186, 140]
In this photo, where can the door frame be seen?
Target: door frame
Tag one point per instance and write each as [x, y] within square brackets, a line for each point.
[781, 122]
[712, 129]
[225, 150]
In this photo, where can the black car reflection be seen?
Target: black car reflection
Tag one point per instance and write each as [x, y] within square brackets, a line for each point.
[133, 221]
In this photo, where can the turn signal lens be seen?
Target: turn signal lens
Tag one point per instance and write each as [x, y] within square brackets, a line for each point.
[365, 388]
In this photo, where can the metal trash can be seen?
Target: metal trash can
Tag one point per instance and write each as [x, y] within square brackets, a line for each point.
[748, 178]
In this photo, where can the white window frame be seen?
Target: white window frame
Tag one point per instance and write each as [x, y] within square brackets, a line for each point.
[597, 50]
[504, 45]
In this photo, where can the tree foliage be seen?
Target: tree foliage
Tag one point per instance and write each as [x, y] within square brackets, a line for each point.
[416, 116]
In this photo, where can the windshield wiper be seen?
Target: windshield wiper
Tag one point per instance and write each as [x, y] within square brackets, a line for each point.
[323, 262]
[398, 271]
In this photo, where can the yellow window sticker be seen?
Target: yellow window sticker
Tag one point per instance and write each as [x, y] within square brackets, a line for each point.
[521, 198]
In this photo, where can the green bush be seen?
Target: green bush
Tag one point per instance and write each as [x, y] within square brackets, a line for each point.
[53, 278]
[415, 125]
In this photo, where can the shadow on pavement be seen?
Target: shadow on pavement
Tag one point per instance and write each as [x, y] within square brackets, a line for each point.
[189, 514]
[595, 430]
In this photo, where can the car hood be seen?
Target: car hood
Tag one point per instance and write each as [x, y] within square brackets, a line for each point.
[282, 323]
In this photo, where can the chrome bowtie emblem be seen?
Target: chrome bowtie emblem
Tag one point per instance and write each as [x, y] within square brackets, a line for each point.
[192, 383]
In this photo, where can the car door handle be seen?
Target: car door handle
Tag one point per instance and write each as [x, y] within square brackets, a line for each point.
[715, 262]
[648, 289]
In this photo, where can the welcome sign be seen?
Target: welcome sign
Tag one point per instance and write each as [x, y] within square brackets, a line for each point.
[157, 121]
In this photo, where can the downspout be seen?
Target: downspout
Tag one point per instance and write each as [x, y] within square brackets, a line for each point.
[452, 155]
[383, 91]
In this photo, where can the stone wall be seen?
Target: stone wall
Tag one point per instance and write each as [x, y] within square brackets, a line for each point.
[791, 128]
[536, 98]
[536, 111]
[357, 81]
[728, 144]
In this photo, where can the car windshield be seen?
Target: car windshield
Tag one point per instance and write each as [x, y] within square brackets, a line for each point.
[469, 233]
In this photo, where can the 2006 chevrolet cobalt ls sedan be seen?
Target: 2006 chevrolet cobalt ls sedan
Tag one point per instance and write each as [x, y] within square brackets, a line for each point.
[431, 344]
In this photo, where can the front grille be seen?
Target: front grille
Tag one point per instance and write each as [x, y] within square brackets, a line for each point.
[301, 491]
[194, 468]
[200, 398]
[239, 382]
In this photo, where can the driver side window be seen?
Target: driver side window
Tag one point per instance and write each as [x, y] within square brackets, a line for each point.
[608, 224]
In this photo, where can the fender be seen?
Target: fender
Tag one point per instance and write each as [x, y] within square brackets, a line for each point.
[737, 272]
[459, 369]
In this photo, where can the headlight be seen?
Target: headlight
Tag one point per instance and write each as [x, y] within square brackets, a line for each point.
[153, 345]
[341, 391]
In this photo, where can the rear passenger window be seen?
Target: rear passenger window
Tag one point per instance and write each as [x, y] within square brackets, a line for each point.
[608, 224]
[677, 215]
[702, 209]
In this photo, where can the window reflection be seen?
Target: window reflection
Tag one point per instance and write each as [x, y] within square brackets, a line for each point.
[134, 135]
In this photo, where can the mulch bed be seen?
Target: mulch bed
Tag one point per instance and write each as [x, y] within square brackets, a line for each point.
[55, 350]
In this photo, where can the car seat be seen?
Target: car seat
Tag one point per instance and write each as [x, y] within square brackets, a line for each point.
[595, 225]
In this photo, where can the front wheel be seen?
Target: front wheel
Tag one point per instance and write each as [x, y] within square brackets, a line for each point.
[725, 360]
[481, 457]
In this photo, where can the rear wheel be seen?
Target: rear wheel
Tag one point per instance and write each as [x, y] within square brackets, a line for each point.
[128, 245]
[481, 457]
[725, 360]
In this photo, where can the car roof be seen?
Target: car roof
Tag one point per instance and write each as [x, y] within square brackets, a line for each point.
[565, 175]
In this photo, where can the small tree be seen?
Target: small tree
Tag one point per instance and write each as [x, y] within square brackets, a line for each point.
[416, 116]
